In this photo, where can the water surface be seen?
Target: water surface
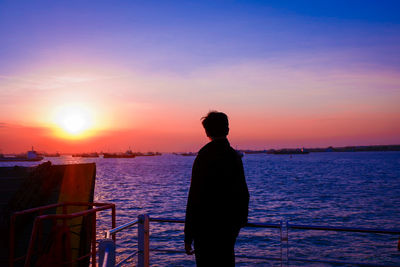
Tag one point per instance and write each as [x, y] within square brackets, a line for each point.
[358, 189]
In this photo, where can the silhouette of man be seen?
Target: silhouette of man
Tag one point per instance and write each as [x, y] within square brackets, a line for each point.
[217, 205]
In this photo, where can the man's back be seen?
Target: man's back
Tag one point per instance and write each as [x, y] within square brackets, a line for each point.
[218, 190]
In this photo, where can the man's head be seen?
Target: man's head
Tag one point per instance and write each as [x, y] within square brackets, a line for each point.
[216, 124]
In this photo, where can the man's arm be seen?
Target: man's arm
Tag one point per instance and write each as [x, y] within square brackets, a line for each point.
[193, 198]
[244, 195]
[189, 216]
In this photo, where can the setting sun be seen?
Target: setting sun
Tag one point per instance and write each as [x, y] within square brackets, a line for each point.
[74, 120]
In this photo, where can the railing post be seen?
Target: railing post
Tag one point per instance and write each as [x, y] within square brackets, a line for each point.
[143, 241]
[113, 223]
[107, 253]
[12, 240]
[284, 244]
[93, 237]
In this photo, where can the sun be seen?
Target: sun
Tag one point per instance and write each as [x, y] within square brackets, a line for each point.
[74, 120]
[74, 123]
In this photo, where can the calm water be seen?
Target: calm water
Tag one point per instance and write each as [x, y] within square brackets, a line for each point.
[338, 189]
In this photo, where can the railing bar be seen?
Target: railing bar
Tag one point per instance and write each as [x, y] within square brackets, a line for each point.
[262, 225]
[74, 215]
[120, 228]
[84, 256]
[298, 226]
[344, 229]
[18, 213]
[127, 258]
[166, 220]
[238, 256]
[76, 260]
[341, 262]
[55, 205]
[257, 258]
[167, 250]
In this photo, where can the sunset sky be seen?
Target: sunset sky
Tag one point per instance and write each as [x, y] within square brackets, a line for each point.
[108, 75]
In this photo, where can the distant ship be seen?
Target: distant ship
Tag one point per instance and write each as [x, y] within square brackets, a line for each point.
[148, 154]
[48, 155]
[288, 151]
[31, 155]
[186, 154]
[86, 155]
[254, 151]
[127, 154]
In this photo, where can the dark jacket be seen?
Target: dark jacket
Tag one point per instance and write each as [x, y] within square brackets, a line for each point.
[218, 196]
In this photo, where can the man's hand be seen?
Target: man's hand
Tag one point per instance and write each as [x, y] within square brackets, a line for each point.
[188, 249]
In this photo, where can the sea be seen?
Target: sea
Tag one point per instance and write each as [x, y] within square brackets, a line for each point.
[338, 189]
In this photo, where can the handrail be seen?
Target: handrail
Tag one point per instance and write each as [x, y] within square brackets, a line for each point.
[344, 229]
[283, 226]
[17, 213]
[258, 225]
[60, 204]
[120, 228]
[73, 215]
[263, 225]
[167, 220]
[335, 262]
[95, 207]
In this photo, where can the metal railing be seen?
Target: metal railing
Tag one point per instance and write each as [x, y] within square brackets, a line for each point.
[55, 218]
[107, 256]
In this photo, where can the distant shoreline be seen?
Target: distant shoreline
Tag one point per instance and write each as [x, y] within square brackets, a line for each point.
[326, 149]
[302, 150]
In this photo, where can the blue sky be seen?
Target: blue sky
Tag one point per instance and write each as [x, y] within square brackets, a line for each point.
[183, 35]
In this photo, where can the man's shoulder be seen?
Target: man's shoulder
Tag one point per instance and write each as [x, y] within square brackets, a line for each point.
[205, 149]
[215, 147]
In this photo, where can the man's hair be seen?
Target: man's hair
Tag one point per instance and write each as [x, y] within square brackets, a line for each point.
[216, 124]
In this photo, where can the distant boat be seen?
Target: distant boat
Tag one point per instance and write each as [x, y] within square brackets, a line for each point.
[86, 155]
[254, 151]
[288, 151]
[47, 155]
[148, 154]
[127, 154]
[31, 155]
[187, 154]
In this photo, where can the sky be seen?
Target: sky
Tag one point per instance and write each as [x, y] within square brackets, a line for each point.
[81, 76]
